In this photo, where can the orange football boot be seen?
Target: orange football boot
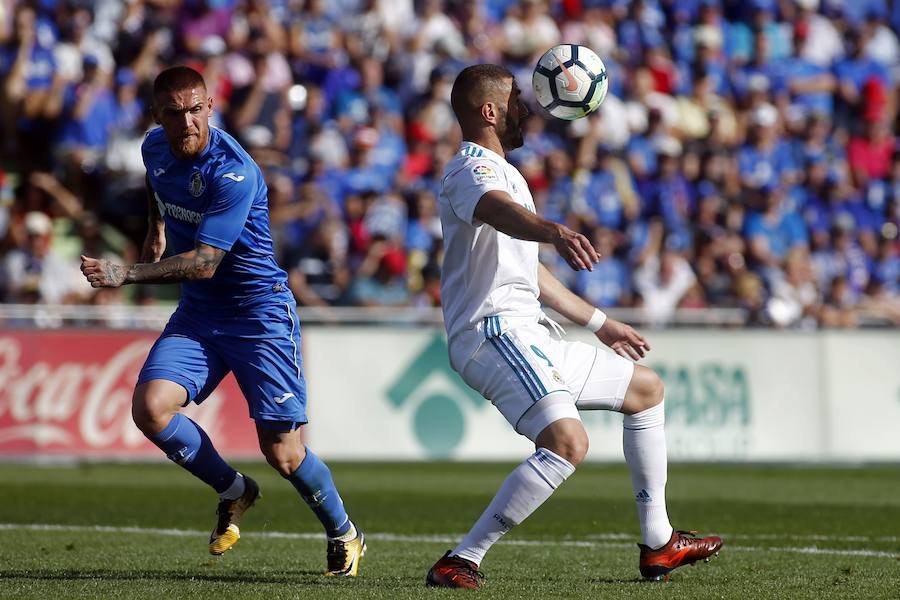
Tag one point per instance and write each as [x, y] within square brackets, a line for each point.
[455, 572]
[683, 548]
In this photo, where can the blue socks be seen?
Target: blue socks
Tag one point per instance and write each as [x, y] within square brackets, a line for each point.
[313, 480]
[186, 444]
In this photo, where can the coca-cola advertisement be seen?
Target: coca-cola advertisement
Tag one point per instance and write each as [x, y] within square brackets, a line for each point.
[68, 393]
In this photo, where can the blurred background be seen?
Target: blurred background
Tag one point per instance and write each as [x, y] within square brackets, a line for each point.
[743, 173]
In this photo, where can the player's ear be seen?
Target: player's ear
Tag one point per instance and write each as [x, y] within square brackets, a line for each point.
[489, 112]
[209, 105]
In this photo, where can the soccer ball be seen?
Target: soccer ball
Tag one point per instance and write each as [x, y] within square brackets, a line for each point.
[570, 81]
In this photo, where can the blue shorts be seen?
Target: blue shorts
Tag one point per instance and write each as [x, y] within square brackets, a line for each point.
[260, 345]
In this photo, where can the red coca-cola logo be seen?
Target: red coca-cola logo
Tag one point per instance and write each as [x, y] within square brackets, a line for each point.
[70, 392]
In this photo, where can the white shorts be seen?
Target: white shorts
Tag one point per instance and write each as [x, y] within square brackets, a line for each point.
[534, 379]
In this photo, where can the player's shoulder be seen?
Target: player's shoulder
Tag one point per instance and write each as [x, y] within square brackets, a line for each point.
[231, 163]
[474, 163]
[154, 142]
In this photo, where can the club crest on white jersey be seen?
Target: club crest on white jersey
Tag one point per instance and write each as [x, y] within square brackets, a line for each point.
[484, 173]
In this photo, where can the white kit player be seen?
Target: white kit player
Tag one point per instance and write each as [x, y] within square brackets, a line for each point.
[503, 345]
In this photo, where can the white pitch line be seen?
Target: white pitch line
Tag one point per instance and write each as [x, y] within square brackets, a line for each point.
[435, 539]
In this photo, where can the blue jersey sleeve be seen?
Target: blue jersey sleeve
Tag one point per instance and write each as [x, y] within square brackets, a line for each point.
[233, 192]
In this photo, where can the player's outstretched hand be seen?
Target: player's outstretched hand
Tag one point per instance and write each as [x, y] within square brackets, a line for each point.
[102, 273]
[575, 249]
[623, 339]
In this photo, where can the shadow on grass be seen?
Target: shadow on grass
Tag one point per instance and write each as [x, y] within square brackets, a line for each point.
[622, 581]
[296, 577]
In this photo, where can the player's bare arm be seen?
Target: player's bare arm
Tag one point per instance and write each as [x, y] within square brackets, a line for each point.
[199, 263]
[500, 211]
[623, 339]
[155, 242]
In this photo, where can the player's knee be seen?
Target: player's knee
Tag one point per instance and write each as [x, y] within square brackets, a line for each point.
[574, 447]
[152, 409]
[567, 439]
[656, 389]
[645, 391]
[283, 459]
[284, 466]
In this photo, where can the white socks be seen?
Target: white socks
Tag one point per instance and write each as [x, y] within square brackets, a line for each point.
[534, 480]
[644, 445]
[526, 488]
[235, 490]
[348, 535]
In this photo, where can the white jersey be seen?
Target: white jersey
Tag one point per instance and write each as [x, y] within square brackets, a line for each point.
[486, 273]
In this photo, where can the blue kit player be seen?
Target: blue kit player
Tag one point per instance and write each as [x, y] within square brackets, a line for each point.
[209, 209]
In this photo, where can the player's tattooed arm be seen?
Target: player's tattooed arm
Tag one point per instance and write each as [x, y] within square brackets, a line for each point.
[199, 263]
[155, 242]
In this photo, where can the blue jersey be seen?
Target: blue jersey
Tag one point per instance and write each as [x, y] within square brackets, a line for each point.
[218, 198]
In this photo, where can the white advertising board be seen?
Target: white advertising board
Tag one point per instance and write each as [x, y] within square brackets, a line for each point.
[861, 374]
[378, 393]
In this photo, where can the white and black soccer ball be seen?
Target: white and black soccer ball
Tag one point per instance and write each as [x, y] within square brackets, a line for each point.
[570, 81]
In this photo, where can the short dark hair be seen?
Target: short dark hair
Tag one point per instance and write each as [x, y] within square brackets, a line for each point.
[476, 85]
[176, 79]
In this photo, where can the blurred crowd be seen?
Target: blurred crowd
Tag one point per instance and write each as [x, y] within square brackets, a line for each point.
[745, 156]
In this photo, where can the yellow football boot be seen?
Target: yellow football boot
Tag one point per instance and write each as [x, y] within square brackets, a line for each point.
[343, 557]
[227, 531]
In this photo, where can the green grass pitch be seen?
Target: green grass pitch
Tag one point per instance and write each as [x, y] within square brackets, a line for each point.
[140, 531]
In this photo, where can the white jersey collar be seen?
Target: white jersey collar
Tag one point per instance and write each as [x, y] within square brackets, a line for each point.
[486, 152]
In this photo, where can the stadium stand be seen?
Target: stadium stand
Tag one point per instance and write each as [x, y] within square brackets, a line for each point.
[745, 159]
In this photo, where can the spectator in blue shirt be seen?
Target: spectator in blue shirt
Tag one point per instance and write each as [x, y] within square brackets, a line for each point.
[609, 284]
[773, 232]
[672, 196]
[763, 65]
[315, 43]
[358, 104]
[854, 70]
[602, 203]
[31, 92]
[766, 160]
[90, 111]
[424, 230]
[555, 202]
[380, 280]
[810, 85]
[887, 265]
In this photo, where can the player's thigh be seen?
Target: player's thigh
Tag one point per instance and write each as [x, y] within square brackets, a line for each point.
[183, 357]
[599, 379]
[263, 351]
[517, 373]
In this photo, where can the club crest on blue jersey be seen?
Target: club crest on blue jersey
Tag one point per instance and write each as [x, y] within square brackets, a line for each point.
[197, 185]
